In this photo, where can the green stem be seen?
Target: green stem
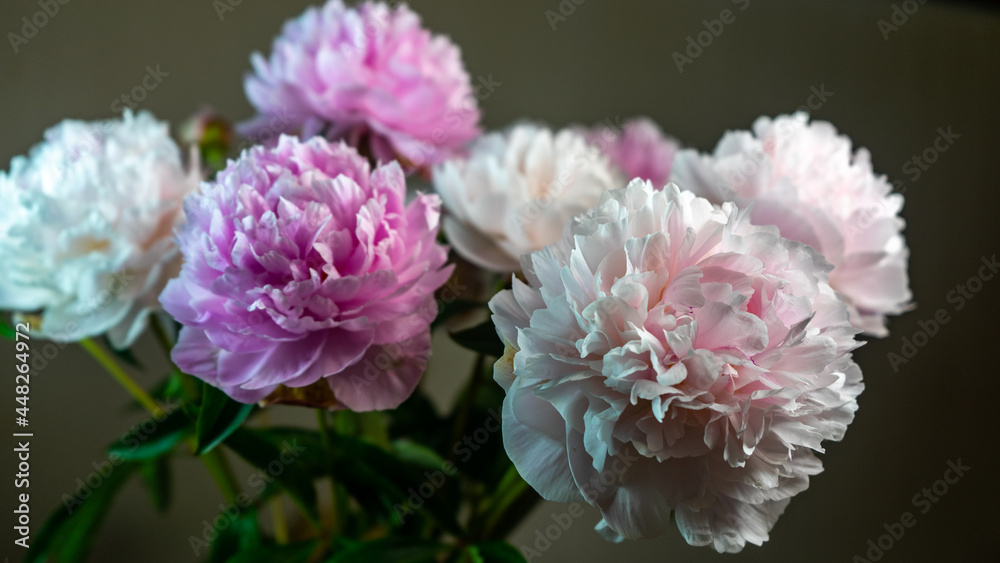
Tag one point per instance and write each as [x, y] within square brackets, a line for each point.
[218, 467]
[470, 398]
[215, 461]
[280, 525]
[121, 377]
[336, 512]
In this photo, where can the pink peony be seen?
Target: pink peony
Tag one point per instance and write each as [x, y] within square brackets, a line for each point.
[667, 355]
[803, 178]
[639, 149]
[369, 75]
[301, 266]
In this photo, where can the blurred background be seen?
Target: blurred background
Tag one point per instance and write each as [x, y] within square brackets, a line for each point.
[892, 76]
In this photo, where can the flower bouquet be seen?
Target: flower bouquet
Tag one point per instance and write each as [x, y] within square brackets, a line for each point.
[662, 334]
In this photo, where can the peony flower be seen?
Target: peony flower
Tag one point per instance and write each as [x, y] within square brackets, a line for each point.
[86, 225]
[803, 178]
[517, 189]
[306, 275]
[668, 356]
[639, 149]
[370, 75]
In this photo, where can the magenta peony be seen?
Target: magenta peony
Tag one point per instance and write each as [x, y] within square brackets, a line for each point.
[302, 266]
[639, 149]
[370, 75]
[667, 355]
[803, 178]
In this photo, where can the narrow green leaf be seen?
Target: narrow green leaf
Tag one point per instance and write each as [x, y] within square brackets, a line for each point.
[482, 338]
[142, 442]
[417, 454]
[392, 550]
[156, 477]
[69, 532]
[218, 417]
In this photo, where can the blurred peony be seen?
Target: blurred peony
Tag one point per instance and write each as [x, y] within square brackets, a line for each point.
[86, 227]
[666, 355]
[803, 178]
[517, 189]
[305, 270]
[639, 149]
[369, 75]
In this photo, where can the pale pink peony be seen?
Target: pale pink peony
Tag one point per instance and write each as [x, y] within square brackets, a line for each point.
[370, 75]
[86, 223]
[667, 355]
[300, 265]
[638, 148]
[803, 178]
[516, 189]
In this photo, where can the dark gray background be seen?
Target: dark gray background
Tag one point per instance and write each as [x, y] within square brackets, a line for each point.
[608, 59]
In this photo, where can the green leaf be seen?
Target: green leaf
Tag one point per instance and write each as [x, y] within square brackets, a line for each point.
[268, 451]
[240, 536]
[156, 477]
[482, 338]
[273, 553]
[379, 480]
[417, 454]
[70, 530]
[218, 417]
[495, 551]
[141, 443]
[392, 550]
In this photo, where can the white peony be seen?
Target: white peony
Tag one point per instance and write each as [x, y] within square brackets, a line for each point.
[803, 178]
[516, 190]
[86, 227]
[668, 356]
